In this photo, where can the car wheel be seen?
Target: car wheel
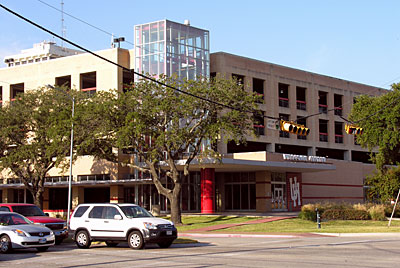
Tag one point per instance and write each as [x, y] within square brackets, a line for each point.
[42, 249]
[5, 244]
[165, 244]
[111, 244]
[82, 239]
[135, 240]
[58, 241]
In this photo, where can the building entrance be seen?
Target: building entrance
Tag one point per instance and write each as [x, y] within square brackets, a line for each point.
[278, 192]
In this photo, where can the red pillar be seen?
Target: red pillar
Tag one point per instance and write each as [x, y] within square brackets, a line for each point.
[207, 190]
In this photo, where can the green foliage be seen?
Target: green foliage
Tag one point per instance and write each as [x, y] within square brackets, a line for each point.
[308, 215]
[380, 119]
[377, 213]
[344, 214]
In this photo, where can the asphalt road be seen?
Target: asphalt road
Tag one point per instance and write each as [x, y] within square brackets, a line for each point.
[268, 251]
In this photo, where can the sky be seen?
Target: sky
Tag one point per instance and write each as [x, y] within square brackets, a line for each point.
[356, 40]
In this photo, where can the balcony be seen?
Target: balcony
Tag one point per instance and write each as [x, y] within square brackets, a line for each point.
[338, 138]
[323, 108]
[89, 91]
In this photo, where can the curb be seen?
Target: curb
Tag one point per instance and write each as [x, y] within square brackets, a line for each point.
[235, 235]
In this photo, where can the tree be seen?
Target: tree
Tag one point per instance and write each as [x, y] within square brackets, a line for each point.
[35, 137]
[380, 119]
[166, 130]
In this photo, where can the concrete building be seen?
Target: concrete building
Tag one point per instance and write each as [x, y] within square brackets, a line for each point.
[277, 171]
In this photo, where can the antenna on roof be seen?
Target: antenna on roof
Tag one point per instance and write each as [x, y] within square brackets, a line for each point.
[63, 29]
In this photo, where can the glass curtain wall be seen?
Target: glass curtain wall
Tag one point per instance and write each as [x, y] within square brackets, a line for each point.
[166, 47]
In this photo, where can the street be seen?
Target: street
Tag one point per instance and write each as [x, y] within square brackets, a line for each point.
[268, 251]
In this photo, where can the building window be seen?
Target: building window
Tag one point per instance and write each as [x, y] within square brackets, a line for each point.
[301, 121]
[258, 124]
[98, 177]
[64, 81]
[338, 104]
[1, 97]
[16, 89]
[283, 95]
[338, 132]
[258, 88]
[128, 80]
[323, 102]
[323, 130]
[88, 83]
[240, 191]
[284, 134]
[239, 79]
[301, 98]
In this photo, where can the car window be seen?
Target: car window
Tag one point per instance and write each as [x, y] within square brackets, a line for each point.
[96, 212]
[28, 210]
[135, 212]
[110, 212]
[80, 211]
[4, 209]
[13, 219]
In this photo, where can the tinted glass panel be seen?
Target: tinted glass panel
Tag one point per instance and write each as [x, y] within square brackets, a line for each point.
[80, 211]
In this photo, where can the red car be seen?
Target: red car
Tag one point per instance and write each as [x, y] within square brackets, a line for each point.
[37, 216]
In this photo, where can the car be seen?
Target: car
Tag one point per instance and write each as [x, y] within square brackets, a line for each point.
[37, 216]
[113, 223]
[16, 231]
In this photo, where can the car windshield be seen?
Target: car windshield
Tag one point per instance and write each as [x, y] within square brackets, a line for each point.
[13, 219]
[28, 211]
[135, 212]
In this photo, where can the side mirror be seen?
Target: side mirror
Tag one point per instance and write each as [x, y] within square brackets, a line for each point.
[117, 217]
[47, 214]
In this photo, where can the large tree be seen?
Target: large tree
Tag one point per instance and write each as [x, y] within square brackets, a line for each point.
[379, 116]
[35, 137]
[161, 126]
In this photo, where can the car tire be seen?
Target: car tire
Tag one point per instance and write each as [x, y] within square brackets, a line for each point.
[5, 244]
[111, 244]
[42, 249]
[82, 239]
[166, 244]
[135, 240]
[58, 241]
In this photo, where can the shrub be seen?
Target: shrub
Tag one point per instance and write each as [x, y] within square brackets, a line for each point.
[308, 215]
[345, 214]
[377, 213]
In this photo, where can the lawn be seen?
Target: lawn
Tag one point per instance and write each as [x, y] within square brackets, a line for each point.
[294, 225]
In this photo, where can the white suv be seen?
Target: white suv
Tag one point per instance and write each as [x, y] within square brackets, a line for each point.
[114, 223]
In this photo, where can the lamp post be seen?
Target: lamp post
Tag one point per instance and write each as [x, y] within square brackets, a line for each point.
[70, 153]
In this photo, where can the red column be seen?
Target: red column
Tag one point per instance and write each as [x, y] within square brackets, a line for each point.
[207, 190]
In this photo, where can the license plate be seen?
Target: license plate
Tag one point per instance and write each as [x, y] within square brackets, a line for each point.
[42, 240]
[169, 232]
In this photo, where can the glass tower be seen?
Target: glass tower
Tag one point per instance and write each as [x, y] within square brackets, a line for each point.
[166, 47]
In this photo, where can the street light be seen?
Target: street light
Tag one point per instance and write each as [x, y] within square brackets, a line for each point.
[70, 153]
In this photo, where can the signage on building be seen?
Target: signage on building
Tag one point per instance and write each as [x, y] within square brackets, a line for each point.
[295, 191]
[304, 158]
[273, 124]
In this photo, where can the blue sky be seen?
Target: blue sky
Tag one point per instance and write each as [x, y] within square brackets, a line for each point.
[355, 40]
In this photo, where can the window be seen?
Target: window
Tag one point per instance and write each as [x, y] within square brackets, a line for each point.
[301, 121]
[301, 98]
[258, 124]
[16, 89]
[283, 95]
[239, 79]
[284, 134]
[323, 102]
[96, 212]
[323, 130]
[128, 80]
[6, 209]
[80, 211]
[338, 105]
[88, 83]
[338, 132]
[64, 81]
[258, 88]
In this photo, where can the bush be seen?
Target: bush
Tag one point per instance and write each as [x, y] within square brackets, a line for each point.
[377, 212]
[308, 215]
[345, 214]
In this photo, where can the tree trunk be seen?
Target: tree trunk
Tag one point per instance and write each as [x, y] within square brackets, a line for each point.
[175, 209]
[38, 198]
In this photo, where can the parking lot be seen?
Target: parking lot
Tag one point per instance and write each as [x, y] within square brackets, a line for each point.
[268, 251]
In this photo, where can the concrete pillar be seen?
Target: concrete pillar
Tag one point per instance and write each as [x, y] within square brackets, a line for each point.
[271, 147]
[347, 155]
[78, 195]
[207, 190]
[311, 151]
[263, 191]
[116, 194]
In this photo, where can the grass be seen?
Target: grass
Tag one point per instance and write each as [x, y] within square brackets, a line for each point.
[303, 226]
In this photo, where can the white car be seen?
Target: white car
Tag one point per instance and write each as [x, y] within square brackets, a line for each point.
[16, 231]
[114, 223]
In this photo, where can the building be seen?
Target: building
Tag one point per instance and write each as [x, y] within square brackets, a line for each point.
[277, 171]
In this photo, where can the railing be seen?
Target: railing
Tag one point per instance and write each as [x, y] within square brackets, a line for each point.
[90, 91]
[338, 138]
[283, 102]
[323, 108]
[338, 111]
[259, 129]
[323, 137]
[301, 105]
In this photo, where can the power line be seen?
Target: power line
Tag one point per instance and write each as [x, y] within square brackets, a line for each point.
[122, 67]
